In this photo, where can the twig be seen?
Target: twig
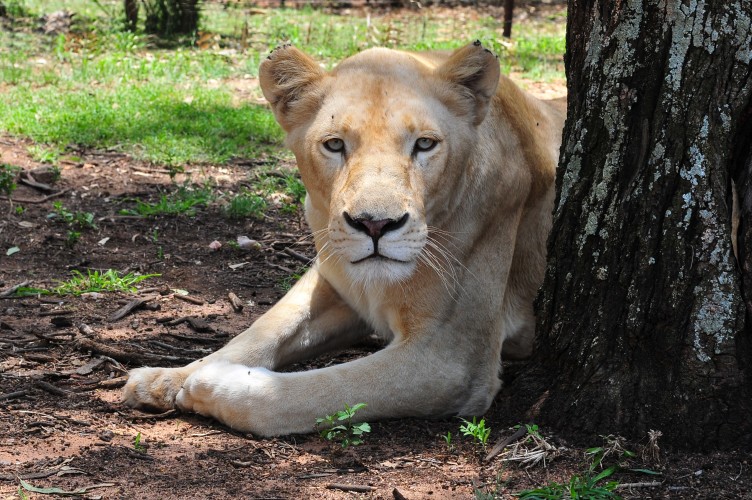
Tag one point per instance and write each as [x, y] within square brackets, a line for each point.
[136, 415]
[40, 200]
[360, 488]
[113, 383]
[281, 268]
[57, 312]
[128, 308]
[298, 256]
[82, 343]
[52, 389]
[651, 484]
[31, 182]
[217, 337]
[500, 445]
[196, 323]
[192, 300]
[397, 495]
[235, 302]
[14, 395]
[10, 291]
[85, 329]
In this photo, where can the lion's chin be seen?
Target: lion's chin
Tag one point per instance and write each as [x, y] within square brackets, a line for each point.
[377, 270]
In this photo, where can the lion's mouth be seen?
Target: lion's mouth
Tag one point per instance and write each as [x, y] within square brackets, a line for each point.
[378, 257]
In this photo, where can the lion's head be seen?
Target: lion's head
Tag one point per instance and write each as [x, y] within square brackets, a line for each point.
[382, 143]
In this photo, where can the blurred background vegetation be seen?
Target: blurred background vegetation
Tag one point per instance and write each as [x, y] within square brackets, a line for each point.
[174, 81]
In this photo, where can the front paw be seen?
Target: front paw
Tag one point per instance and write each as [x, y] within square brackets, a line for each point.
[153, 389]
[227, 392]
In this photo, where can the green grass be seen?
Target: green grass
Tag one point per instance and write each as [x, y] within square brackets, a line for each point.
[184, 201]
[92, 281]
[340, 427]
[586, 486]
[96, 281]
[172, 102]
[8, 175]
[152, 121]
[246, 205]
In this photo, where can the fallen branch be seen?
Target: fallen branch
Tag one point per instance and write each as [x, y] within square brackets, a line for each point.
[503, 443]
[192, 300]
[40, 200]
[197, 324]
[297, 256]
[235, 302]
[10, 291]
[52, 389]
[128, 308]
[651, 484]
[31, 182]
[359, 488]
[139, 358]
[14, 395]
[113, 383]
[397, 495]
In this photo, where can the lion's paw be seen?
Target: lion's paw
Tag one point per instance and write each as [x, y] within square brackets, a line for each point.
[153, 389]
[230, 393]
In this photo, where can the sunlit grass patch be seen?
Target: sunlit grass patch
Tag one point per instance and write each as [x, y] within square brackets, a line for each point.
[155, 122]
[96, 281]
[99, 86]
[184, 201]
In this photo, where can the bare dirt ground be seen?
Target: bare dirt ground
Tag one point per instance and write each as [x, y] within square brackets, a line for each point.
[63, 361]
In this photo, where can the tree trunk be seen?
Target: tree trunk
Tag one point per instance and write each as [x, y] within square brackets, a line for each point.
[641, 318]
[508, 16]
[131, 14]
[171, 17]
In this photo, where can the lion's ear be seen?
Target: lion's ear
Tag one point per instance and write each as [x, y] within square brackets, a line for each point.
[475, 69]
[292, 83]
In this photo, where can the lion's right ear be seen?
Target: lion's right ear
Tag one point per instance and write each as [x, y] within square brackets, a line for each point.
[474, 70]
[292, 83]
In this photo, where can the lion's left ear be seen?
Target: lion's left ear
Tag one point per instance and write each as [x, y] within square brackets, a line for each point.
[475, 70]
[292, 83]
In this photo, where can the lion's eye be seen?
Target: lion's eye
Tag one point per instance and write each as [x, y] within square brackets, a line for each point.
[335, 145]
[425, 144]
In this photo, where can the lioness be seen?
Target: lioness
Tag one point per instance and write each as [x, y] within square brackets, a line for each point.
[430, 190]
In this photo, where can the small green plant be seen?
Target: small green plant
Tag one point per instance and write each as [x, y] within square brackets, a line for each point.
[477, 429]
[288, 281]
[72, 237]
[8, 175]
[44, 155]
[340, 427]
[246, 205]
[448, 439]
[590, 485]
[585, 486]
[95, 281]
[137, 444]
[183, 201]
[84, 220]
[19, 210]
[532, 430]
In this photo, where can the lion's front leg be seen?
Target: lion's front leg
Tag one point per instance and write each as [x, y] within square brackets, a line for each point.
[309, 320]
[402, 380]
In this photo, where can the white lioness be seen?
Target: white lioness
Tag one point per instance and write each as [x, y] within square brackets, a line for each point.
[430, 189]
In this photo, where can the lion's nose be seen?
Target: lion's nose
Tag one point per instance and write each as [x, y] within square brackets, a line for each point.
[374, 228]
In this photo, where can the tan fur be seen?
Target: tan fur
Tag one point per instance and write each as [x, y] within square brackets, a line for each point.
[456, 278]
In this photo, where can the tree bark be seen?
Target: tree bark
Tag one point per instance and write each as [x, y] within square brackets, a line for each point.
[641, 318]
[131, 14]
[508, 17]
[172, 17]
